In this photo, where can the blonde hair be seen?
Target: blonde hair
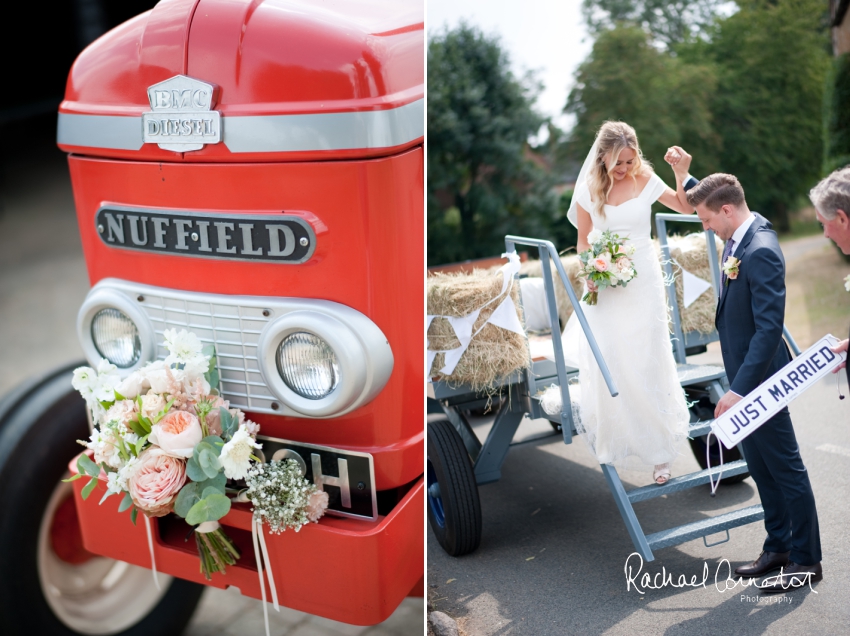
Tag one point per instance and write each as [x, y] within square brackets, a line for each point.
[613, 137]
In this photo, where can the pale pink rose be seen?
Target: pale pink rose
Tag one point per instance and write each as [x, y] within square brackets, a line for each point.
[624, 264]
[152, 404]
[732, 275]
[177, 433]
[317, 505]
[214, 416]
[132, 385]
[602, 263]
[122, 411]
[155, 481]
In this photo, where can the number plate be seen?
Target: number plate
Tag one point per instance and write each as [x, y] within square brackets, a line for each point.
[347, 476]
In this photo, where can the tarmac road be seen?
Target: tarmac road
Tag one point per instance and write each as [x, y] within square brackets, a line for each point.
[43, 282]
[554, 548]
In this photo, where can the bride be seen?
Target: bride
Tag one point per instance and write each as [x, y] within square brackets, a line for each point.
[649, 418]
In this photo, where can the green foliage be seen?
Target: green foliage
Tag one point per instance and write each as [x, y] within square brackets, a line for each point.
[87, 466]
[744, 98]
[668, 21]
[211, 508]
[837, 115]
[665, 100]
[772, 60]
[89, 487]
[126, 502]
[229, 424]
[212, 375]
[481, 185]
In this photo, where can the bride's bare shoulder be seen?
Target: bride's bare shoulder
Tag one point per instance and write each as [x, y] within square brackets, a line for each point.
[645, 175]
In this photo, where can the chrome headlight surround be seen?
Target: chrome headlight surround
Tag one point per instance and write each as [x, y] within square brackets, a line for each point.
[106, 298]
[362, 351]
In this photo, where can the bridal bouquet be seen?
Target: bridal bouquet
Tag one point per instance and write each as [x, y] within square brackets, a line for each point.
[606, 264]
[167, 442]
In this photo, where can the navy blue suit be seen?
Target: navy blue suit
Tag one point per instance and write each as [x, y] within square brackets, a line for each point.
[749, 319]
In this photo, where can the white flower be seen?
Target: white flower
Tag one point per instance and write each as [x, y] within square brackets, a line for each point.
[847, 283]
[106, 447]
[122, 412]
[630, 250]
[107, 380]
[132, 385]
[152, 404]
[185, 348]
[594, 236]
[84, 380]
[235, 455]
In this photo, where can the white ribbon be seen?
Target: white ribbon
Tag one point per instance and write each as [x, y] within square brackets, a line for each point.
[259, 541]
[150, 547]
[503, 316]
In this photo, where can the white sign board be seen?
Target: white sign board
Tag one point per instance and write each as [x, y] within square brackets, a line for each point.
[777, 391]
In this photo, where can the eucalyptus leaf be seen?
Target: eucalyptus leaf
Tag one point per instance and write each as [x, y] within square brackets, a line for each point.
[194, 470]
[208, 350]
[211, 490]
[86, 465]
[187, 498]
[87, 490]
[126, 502]
[218, 482]
[210, 508]
[134, 514]
[75, 478]
[229, 424]
[106, 496]
[215, 443]
[199, 448]
[209, 463]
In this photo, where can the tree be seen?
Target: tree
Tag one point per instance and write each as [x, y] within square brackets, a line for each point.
[666, 100]
[772, 60]
[837, 115]
[481, 185]
[668, 21]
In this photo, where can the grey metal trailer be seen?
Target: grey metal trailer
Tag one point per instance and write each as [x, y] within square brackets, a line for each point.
[458, 462]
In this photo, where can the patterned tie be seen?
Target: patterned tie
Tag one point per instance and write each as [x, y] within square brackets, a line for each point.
[730, 246]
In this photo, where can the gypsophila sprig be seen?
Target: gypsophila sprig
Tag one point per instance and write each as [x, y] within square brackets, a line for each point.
[282, 497]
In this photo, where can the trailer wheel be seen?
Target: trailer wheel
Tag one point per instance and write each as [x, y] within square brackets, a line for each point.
[454, 510]
[704, 410]
[50, 584]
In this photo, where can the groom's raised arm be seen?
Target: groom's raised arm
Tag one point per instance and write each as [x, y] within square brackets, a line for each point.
[765, 275]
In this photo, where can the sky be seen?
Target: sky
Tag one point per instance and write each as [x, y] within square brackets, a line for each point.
[547, 36]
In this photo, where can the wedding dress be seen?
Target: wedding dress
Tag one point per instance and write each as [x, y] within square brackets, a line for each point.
[647, 422]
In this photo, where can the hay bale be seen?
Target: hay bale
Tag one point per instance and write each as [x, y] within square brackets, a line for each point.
[494, 353]
[691, 253]
[571, 264]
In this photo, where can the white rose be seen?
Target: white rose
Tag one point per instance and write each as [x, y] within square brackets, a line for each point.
[594, 236]
[132, 385]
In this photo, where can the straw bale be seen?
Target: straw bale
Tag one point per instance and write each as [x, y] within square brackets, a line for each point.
[572, 264]
[494, 353]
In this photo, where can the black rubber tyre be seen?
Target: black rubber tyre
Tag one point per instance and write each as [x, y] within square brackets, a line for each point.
[454, 510]
[39, 426]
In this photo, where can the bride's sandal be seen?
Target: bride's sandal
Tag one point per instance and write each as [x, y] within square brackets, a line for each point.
[661, 474]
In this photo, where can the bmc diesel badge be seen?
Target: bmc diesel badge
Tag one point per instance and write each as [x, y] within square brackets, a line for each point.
[182, 117]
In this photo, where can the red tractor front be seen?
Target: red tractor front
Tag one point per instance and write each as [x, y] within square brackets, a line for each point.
[251, 172]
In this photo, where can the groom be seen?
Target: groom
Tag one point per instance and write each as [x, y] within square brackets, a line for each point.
[750, 315]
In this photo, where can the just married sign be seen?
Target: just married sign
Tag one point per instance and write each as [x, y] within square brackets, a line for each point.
[773, 394]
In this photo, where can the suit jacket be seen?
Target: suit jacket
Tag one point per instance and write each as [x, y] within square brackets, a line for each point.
[751, 310]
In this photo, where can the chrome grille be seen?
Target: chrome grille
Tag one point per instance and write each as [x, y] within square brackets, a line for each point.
[234, 329]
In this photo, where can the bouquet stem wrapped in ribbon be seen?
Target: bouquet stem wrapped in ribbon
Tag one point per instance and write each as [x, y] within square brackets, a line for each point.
[607, 263]
[167, 442]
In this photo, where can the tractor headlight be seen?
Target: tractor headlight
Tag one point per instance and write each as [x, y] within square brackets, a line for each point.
[111, 325]
[323, 359]
[308, 365]
[116, 337]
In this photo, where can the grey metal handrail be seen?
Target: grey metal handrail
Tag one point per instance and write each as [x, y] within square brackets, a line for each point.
[714, 266]
[547, 250]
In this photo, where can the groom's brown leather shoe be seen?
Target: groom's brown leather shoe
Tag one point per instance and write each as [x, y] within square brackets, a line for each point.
[792, 577]
[767, 562]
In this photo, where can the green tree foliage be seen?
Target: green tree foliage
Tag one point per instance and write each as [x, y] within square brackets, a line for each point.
[481, 185]
[745, 98]
[668, 21]
[837, 115]
[666, 100]
[772, 60]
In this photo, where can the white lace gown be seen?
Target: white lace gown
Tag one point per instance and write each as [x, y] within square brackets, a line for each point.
[648, 421]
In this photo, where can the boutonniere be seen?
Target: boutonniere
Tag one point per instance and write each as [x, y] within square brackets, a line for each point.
[847, 283]
[730, 268]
